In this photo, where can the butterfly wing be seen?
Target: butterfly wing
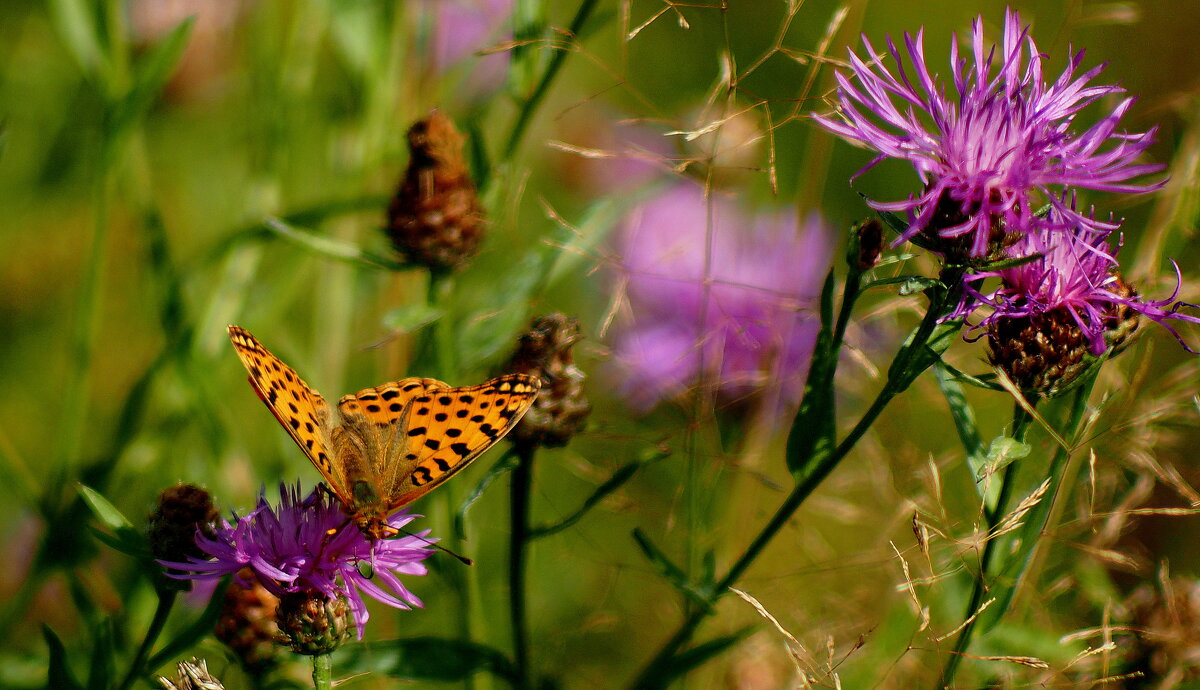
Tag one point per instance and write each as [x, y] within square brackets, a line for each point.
[300, 409]
[450, 427]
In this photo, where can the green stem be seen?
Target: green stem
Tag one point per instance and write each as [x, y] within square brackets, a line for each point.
[992, 516]
[525, 116]
[519, 491]
[322, 671]
[166, 600]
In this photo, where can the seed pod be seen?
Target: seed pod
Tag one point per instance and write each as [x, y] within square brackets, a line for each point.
[435, 219]
[561, 407]
[192, 675]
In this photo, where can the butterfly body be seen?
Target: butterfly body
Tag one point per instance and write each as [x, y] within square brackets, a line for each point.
[393, 443]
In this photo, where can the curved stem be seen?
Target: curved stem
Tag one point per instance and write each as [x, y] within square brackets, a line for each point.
[322, 674]
[520, 489]
[993, 516]
[166, 600]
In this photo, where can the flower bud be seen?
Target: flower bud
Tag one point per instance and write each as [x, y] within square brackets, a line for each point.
[561, 407]
[181, 510]
[311, 623]
[868, 244]
[435, 219]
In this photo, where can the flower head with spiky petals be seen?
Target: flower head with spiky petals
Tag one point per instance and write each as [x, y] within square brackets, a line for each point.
[994, 155]
[309, 544]
[1073, 273]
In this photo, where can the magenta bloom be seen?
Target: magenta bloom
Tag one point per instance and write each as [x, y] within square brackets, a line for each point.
[745, 314]
[1000, 150]
[461, 28]
[310, 544]
[1076, 271]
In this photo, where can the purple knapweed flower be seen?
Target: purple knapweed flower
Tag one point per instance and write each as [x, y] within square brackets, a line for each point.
[990, 158]
[714, 292]
[1075, 273]
[309, 544]
[459, 29]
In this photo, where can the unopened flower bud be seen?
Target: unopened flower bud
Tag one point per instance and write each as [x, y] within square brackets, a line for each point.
[192, 675]
[247, 623]
[868, 244]
[312, 623]
[562, 407]
[181, 510]
[435, 219]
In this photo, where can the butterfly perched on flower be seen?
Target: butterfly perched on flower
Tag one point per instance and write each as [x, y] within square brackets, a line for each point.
[395, 442]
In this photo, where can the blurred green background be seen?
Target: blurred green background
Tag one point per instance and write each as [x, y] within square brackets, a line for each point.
[133, 233]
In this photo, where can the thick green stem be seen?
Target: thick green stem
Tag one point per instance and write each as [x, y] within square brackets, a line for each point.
[519, 492]
[166, 600]
[992, 516]
[322, 672]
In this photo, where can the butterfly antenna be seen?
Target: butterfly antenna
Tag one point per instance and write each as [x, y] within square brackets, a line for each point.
[463, 559]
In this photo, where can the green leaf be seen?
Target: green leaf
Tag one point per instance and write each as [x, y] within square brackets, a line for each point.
[984, 381]
[150, 76]
[430, 658]
[1001, 452]
[331, 248]
[127, 540]
[614, 482]
[100, 674]
[964, 421]
[104, 511]
[528, 53]
[498, 314]
[673, 573]
[693, 658]
[909, 284]
[195, 631]
[77, 24]
[506, 463]
[59, 674]
[812, 436]
[412, 317]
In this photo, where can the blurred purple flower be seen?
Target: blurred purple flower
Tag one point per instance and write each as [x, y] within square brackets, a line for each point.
[992, 156]
[737, 302]
[461, 28]
[1076, 271]
[310, 544]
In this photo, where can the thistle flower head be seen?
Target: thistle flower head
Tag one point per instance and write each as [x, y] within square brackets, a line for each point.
[1074, 273]
[309, 545]
[1006, 145]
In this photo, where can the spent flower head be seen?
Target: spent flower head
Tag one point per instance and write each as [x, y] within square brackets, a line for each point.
[714, 292]
[308, 544]
[1002, 148]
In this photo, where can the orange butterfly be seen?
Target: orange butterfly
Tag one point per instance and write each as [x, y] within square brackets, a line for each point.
[396, 442]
